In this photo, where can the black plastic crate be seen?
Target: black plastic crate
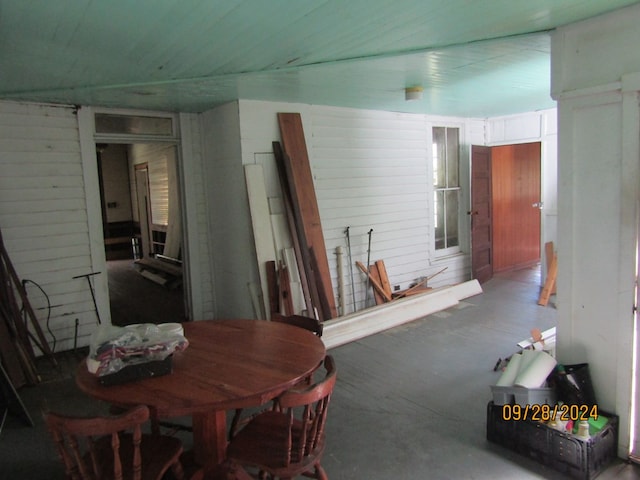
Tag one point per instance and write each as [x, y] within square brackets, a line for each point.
[582, 459]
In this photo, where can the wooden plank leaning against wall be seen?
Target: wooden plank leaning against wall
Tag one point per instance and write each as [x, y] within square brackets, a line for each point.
[302, 188]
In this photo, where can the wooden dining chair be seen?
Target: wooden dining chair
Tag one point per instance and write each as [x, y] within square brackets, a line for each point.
[308, 323]
[113, 447]
[225, 471]
[171, 428]
[301, 321]
[288, 441]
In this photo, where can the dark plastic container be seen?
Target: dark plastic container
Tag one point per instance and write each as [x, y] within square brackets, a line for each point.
[576, 458]
[573, 385]
[138, 371]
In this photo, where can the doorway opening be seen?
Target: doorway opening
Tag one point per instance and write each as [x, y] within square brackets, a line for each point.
[142, 225]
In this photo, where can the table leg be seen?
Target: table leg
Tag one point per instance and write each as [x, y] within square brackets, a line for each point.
[210, 437]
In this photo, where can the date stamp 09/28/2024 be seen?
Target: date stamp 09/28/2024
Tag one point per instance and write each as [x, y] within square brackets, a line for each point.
[545, 413]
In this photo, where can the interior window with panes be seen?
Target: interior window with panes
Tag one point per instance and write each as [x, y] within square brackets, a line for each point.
[446, 182]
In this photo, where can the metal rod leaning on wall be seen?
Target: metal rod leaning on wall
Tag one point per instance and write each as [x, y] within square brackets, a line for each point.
[93, 297]
[353, 288]
[366, 298]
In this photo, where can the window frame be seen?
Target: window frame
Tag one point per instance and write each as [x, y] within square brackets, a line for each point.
[439, 253]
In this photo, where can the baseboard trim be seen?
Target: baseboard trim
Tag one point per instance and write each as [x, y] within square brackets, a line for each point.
[382, 317]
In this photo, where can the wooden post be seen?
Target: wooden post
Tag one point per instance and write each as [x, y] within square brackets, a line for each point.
[548, 253]
[550, 282]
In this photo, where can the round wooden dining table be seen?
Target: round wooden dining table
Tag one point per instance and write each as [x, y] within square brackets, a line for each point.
[228, 364]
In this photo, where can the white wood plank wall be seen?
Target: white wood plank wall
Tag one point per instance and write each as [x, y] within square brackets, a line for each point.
[195, 219]
[43, 215]
[372, 170]
[371, 173]
[233, 251]
[157, 156]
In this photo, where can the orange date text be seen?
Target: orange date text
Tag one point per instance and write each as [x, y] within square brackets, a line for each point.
[545, 413]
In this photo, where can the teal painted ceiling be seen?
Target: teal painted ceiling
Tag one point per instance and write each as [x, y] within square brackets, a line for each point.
[474, 58]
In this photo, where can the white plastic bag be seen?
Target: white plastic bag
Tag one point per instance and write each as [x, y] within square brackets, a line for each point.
[113, 348]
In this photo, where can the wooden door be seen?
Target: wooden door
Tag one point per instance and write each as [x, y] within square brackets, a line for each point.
[515, 172]
[481, 214]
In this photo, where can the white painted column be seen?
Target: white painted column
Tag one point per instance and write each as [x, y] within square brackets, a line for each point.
[94, 213]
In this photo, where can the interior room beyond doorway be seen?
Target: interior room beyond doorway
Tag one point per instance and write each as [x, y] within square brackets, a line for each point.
[135, 299]
[142, 228]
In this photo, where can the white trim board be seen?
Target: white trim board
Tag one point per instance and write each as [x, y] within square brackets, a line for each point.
[382, 317]
[262, 233]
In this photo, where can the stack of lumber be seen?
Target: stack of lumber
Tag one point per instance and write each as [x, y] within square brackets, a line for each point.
[18, 335]
[379, 280]
[280, 298]
[287, 231]
[303, 217]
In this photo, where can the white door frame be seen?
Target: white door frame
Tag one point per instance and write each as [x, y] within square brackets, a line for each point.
[88, 140]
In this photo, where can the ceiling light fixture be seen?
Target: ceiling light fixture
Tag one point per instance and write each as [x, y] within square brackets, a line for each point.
[413, 93]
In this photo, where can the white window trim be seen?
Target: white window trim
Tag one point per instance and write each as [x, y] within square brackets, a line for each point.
[464, 176]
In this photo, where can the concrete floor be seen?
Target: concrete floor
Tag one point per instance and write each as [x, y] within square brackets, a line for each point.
[135, 299]
[410, 403]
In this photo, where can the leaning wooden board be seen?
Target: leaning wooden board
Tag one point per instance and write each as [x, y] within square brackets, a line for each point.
[303, 194]
[261, 223]
[298, 255]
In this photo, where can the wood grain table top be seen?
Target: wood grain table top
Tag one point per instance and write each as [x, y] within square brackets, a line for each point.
[228, 364]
